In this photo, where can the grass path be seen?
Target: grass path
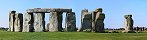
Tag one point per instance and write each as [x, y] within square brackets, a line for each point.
[70, 36]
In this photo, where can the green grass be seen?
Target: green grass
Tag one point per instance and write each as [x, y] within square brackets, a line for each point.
[4, 35]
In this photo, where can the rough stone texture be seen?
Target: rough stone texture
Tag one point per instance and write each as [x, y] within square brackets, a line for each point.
[48, 10]
[53, 27]
[86, 20]
[28, 22]
[128, 23]
[70, 21]
[99, 24]
[55, 22]
[60, 17]
[39, 22]
[11, 20]
[98, 20]
[93, 21]
[18, 24]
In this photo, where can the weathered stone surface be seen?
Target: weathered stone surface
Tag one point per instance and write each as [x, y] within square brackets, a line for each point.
[60, 17]
[48, 10]
[39, 22]
[86, 20]
[11, 20]
[18, 24]
[28, 22]
[98, 20]
[70, 21]
[55, 22]
[53, 27]
[93, 21]
[128, 23]
[99, 25]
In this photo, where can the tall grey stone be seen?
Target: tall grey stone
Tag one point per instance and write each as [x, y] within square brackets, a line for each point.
[93, 21]
[70, 21]
[53, 27]
[128, 23]
[60, 18]
[39, 22]
[86, 20]
[11, 20]
[98, 20]
[55, 22]
[100, 23]
[18, 24]
[28, 22]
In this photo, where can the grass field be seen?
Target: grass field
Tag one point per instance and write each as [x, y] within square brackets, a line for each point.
[4, 35]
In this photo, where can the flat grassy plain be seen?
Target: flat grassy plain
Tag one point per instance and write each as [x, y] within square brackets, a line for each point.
[4, 35]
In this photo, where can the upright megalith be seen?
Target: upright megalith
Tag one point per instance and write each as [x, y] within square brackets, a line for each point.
[86, 20]
[70, 22]
[60, 18]
[39, 22]
[35, 22]
[53, 26]
[98, 20]
[28, 22]
[11, 20]
[128, 23]
[55, 18]
[18, 24]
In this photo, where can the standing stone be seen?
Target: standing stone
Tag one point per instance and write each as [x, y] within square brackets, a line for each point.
[128, 23]
[99, 20]
[93, 21]
[18, 24]
[55, 22]
[39, 23]
[11, 20]
[86, 20]
[28, 22]
[53, 27]
[100, 23]
[60, 17]
[70, 22]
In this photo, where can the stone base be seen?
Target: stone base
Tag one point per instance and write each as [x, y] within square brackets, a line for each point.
[126, 31]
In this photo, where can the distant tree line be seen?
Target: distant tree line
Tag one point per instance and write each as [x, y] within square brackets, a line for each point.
[5, 29]
[135, 28]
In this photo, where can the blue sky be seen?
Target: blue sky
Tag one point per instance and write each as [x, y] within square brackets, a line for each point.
[113, 9]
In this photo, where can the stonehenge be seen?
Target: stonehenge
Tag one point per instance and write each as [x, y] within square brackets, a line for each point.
[28, 25]
[18, 23]
[54, 23]
[98, 18]
[39, 22]
[70, 22]
[15, 21]
[92, 21]
[34, 21]
[128, 23]
[86, 20]
[11, 20]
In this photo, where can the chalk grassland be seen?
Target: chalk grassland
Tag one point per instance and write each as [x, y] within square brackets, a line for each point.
[4, 35]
